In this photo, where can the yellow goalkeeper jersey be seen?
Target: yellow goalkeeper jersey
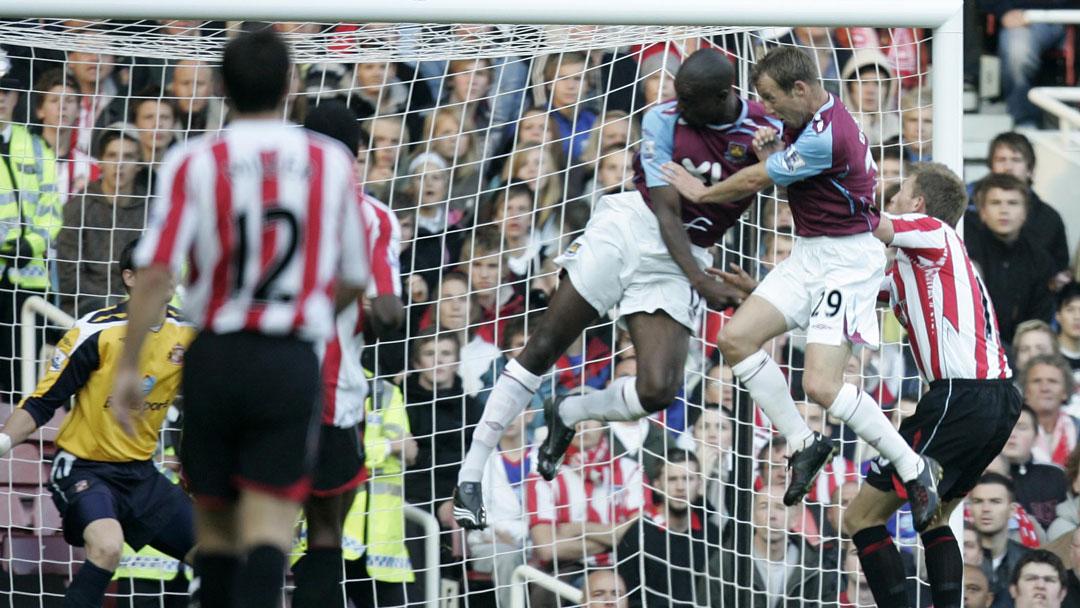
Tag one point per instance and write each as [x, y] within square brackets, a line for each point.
[84, 365]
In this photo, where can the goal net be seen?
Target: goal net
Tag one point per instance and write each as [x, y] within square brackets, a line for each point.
[492, 144]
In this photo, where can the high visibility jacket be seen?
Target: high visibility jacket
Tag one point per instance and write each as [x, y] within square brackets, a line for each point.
[375, 525]
[30, 206]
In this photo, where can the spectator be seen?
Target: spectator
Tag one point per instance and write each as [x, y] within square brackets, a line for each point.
[670, 544]
[1047, 382]
[614, 173]
[537, 169]
[154, 118]
[437, 235]
[1068, 321]
[657, 73]
[191, 86]
[511, 209]
[1012, 153]
[491, 297]
[775, 248]
[535, 128]
[840, 498]
[1068, 511]
[712, 434]
[604, 588]
[388, 135]
[99, 224]
[564, 77]
[578, 518]
[977, 592]
[917, 125]
[30, 208]
[891, 169]
[441, 418]
[616, 129]
[56, 107]
[1021, 45]
[468, 90]
[856, 588]
[1072, 579]
[1038, 581]
[98, 89]
[383, 88]
[1033, 338]
[870, 93]
[1015, 270]
[991, 502]
[501, 547]
[785, 565]
[1040, 488]
[452, 314]
[455, 141]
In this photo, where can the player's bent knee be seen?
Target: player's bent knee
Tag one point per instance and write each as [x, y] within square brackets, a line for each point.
[104, 543]
[656, 394]
[820, 389]
[735, 344]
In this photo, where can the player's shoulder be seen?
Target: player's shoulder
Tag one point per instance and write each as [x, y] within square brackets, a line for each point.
[662, 114]
[102, 317]
[93, 325]
[922, 222]
[174, 316]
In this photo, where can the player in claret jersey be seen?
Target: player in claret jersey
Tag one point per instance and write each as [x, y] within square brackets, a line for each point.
[644, 250]
[966, 417]
[828, 286]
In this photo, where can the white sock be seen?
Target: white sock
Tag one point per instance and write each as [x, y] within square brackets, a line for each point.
[509, 397]
[619, 401]
[860, 412]
[769, 390]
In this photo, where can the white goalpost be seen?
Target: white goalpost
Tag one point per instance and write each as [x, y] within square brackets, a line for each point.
[458, 100]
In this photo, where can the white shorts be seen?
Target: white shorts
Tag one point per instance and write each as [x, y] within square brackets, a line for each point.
[622, 259]
[829, 287]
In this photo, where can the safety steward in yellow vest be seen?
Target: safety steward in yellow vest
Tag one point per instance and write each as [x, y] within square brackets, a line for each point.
[30, 218]
[373, 540]
[103, 479]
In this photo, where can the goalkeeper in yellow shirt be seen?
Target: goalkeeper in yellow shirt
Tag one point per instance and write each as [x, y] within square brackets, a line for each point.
[103, 480]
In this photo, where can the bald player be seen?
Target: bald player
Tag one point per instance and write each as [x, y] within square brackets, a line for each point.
[645, 251]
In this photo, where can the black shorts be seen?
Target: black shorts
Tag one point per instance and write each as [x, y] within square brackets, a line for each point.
[250, 416]
[340, 464]
[963, 424]
[150, 508]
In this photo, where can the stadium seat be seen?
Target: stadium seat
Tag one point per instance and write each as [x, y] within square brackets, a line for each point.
[23, 468]
[21, 554]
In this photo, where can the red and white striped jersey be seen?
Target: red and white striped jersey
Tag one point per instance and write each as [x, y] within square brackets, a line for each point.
[267, 218]
[614, 493]
[345, 385]
[938, 295]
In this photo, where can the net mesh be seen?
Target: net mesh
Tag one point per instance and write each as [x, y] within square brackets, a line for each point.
[483, 137]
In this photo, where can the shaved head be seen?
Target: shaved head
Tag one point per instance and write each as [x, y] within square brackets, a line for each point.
[706, 73]
[703, 87]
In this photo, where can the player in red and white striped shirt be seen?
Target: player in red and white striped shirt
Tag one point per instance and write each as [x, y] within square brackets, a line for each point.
[267, 218]
[966, 417]
[339, 467]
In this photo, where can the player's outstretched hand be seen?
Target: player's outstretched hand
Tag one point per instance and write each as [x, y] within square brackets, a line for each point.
[738, 279]
[767, 142]
[126, 398]
[718, 295]
[690, 187]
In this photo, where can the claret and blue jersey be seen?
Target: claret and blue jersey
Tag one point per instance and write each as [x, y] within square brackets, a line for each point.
[829, 175]
[713, 153]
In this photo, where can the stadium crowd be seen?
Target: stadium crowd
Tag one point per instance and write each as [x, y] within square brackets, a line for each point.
[492, 168]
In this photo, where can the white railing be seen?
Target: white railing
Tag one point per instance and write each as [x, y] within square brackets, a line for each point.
[33, 307]
[431, 552]
[1062, 16]
[527, 574]
[1055, 100]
